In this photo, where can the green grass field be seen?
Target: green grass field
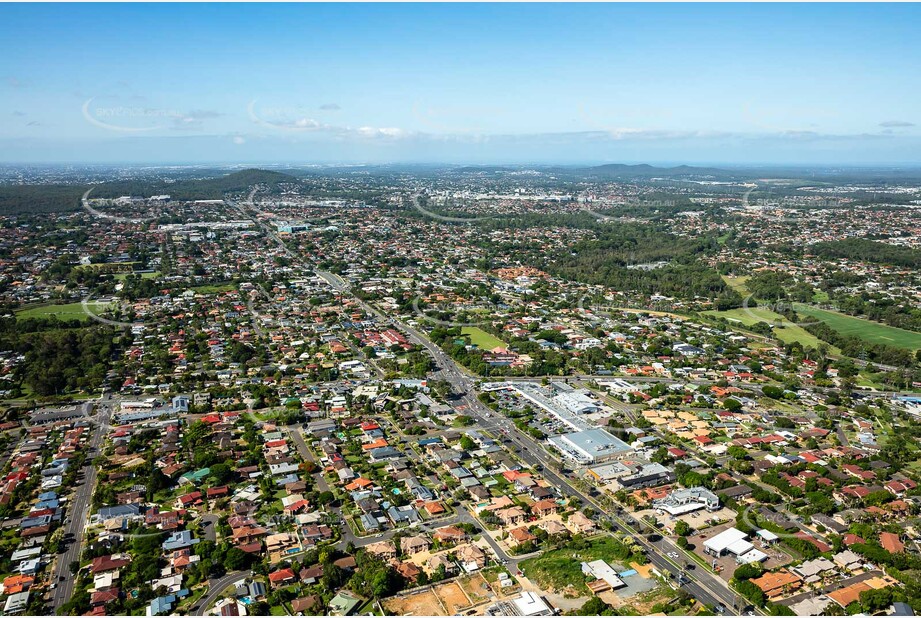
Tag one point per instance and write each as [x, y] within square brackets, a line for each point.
[560, 568]
[70, 311]
[874, 332]
[737, 284]
[123, 276]
[481, 338]
[214, 289]
[788, 333]
[106, 265]
[748, 316]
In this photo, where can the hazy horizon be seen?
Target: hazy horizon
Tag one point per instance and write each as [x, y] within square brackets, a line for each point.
[745, 85]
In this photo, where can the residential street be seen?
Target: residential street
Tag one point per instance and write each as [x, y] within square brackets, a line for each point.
[78, 511]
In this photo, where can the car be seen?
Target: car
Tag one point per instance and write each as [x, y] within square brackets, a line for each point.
[61, 578]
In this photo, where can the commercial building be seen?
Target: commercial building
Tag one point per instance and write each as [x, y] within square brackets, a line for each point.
[734, 541]
[576, 402]
[590, 446]
[559, 405]
[688, 500]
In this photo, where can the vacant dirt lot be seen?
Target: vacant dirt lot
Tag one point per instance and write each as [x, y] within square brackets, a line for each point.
[419, 604]
[476, 588]
[453, 597]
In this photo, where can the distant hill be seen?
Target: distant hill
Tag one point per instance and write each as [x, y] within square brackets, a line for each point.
[28, 199]
[643, 170]
[244, 179]
[196, 189]
[482, 169]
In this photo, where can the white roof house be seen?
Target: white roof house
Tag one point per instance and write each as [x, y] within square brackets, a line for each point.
[599, 569]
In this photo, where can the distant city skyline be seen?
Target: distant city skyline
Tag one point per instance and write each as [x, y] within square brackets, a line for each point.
[449, 83]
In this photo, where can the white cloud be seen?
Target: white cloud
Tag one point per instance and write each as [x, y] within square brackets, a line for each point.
[382, 132]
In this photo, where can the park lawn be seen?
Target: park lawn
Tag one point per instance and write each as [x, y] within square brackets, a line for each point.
[748, 315]
[150, 275]
[104, 265]
[874, 332]
[866, 379]
[481, 338]
[737, 284]
[820, 297]
[788, 333]
[792, 333]
[70, 311]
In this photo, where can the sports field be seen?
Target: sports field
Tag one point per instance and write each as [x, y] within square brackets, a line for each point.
[70, 311]
[874, 332]
[748, 315]
[481, 338]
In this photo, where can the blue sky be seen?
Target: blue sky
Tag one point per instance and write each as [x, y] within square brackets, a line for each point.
[524, 83]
